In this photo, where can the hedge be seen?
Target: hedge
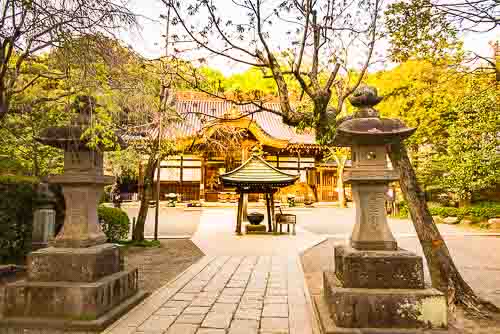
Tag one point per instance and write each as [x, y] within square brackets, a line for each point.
[480, 211]
[16, 217]
[114, 223]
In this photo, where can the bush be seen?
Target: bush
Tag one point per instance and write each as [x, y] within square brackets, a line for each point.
[444, 211]
[481, 211]
[114, 223]
[16, 217]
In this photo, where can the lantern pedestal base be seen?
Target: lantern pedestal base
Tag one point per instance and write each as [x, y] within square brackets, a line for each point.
[75, 289]
[380, 290]
[384, 308]
[378, 269]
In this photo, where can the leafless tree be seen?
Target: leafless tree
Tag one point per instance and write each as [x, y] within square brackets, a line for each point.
[30, 27]
[476, 15]
[315, 49]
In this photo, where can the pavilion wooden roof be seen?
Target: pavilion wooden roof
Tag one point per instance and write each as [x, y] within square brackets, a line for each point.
[257, 175]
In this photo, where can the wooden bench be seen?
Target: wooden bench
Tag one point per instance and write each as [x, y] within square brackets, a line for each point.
[285, 219]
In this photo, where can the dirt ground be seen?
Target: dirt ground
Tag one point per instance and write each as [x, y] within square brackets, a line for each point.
[157, 266]
[320, 258]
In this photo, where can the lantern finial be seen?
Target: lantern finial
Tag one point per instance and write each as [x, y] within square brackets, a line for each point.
[365, 98]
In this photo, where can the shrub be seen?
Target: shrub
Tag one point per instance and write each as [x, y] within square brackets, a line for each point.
[114, 223]
[431, 204]
[16, 217]
[444, 211]
[481, 211]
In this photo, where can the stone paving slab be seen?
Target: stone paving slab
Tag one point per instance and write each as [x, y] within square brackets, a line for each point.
[227, 294]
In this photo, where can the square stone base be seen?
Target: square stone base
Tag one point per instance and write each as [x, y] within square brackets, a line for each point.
[69, 300]
[255, 229]
[384, 308]
[89, 264]
[37, 325]
[328, 326]
[398, 269]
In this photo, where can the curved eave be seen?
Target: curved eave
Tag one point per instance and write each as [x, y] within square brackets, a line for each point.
[269, 176]
[251, 125]
[243, 165]
[228, 182]
[252, 186]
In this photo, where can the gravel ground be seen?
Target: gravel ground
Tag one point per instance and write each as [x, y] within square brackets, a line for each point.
[320, 258]
[157, 266]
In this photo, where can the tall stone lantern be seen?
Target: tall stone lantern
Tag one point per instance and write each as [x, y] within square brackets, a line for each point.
[376, 284]
[79, 283]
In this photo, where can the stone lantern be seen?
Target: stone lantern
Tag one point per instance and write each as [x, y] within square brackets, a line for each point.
[44, 218]
[79, 283]
[376, 284]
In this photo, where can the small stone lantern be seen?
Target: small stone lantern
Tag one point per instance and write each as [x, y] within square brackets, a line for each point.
[376, 284]
[80, 283]
[44, 218]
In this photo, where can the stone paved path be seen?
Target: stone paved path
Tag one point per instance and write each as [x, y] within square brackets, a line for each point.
[245, 284]
[226, 294]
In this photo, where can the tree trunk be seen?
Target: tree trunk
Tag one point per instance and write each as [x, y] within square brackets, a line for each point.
[444, 274]
[138, 233]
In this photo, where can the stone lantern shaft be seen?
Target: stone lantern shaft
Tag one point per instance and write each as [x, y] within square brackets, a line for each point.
[369, 177]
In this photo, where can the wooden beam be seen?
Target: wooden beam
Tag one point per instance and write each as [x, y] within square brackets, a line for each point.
[320, 184]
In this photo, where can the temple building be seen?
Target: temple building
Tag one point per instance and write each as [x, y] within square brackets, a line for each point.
[218, 136]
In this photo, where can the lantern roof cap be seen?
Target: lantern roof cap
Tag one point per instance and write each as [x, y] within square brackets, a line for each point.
[365, 126]
[69, 137]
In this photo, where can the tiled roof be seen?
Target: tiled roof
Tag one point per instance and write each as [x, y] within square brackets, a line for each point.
[196, 113]
[256, 171]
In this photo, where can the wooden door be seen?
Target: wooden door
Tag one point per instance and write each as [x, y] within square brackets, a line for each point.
[327, 183]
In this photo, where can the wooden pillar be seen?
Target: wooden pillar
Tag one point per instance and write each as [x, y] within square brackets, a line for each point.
[182, 169]
[202, 178]
[320, 184]
[269, 218]
[239, 214]
[273, 220]
[244, 157]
